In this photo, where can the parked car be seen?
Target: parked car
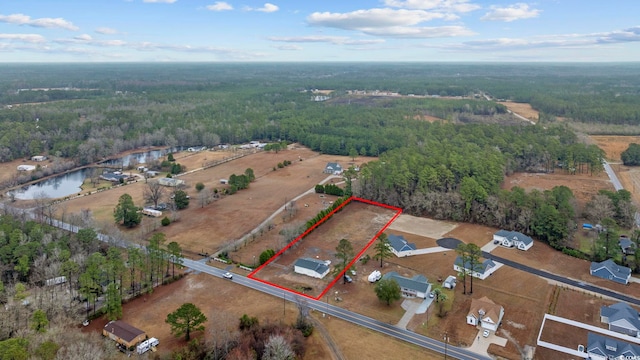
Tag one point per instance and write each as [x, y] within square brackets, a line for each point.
[485, 333]
[347, 278]
[432, 295]
[227, 275]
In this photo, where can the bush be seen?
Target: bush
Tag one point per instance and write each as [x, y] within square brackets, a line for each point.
[199, 186]
[165, 221]
[319, 189]
[266, 255]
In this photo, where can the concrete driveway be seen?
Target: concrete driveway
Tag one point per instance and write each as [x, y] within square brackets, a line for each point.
[481, 344]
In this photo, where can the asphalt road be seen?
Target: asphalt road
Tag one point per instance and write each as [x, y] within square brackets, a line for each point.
[346, 315]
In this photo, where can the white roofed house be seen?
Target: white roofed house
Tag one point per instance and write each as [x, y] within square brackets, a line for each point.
[485, 313]
[417, 286]
[399, 246]
[311, 267]
[513, 239]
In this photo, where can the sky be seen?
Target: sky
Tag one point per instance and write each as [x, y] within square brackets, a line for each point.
[319, 30]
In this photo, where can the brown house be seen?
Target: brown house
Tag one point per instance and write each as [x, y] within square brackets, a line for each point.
[123, 333]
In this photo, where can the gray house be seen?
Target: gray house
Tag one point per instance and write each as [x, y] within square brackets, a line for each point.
[621, 318]
[311, 267]
[611, 271]
[333, 168]
[482, 270]
[602, 348]
[417, 286]
[513, 239]
[399, 246]
[627, 246]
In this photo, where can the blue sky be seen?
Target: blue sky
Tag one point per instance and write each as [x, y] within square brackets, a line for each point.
[326, 30]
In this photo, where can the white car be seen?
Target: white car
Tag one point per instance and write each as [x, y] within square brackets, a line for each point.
[485, 333]
[227, 275]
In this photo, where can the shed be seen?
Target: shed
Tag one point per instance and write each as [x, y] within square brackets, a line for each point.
[39, 158]
[123, 333]
[171, 182]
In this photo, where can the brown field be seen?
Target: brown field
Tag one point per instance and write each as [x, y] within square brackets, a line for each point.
[357, 222]
[583, 186]
[613, 146]
[522, 109]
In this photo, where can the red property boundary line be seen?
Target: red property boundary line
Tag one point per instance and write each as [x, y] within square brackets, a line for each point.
[349, 200]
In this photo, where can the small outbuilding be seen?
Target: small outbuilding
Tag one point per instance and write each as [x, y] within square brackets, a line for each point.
[123, 333]
[450, 282]
[171, 182]
[311, 267]
[38, 158]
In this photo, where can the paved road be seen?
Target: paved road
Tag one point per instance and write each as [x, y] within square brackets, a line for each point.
[612, 176]
[335, 311]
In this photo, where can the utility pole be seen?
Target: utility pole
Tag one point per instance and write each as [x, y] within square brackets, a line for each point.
[446, 342]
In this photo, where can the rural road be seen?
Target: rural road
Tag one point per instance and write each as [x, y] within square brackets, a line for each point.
[338, 312]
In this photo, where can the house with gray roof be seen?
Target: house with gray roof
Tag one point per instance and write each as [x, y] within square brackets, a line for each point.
[333, 168]
[621, 318]
[311, 267]
[399, 246]
[417, 286]
[513, 239]
[627, 246]
[611, 271]
[481, 270]
[603, 348]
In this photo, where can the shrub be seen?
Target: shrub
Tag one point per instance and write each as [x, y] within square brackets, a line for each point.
[165, 221]
[199, 186]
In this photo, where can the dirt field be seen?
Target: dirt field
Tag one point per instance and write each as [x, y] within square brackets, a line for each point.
[583, 186]
[522, 109]
[613, 146]
[422, 226]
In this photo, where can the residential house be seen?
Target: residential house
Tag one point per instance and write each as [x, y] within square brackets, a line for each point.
[485, 313]
[26, 167]
[449, 282]
[171, 182]
[621, 318]
[417, 286]
[600, 347]
[627, 246]
[116, 177]
[513, 239]
[123, 333]
[39, 158]
[333, 168]
[611, 271]
[481, 269]
[311, 267]
[399, 246]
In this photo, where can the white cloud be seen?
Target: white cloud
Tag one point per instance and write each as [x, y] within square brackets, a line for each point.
[458, 6]
[30, 38]
[106, 31]
[83, 37]
[510, 13]
[220, 6]
[336, 40]
[21, 19]
[267, 8]
[289, 47]
[160, 1]
[389, 22]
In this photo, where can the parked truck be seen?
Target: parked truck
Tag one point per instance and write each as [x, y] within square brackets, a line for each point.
[375, 276]
[152, 212]
[147, 345]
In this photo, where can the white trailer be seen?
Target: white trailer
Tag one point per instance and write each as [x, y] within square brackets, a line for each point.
[147, 345]
[152, 212]
[375, 276]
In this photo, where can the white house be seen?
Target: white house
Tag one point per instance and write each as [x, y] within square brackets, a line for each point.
[481, 269]
[485, 313]
[513, 239]
[333, 168]
[26, 167]
[311, 267]
[417, 286]
[399, 246]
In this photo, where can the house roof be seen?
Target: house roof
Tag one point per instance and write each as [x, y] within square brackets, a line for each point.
[418, 283]
[515, 236]
[123, 330]
[626, 243]
[333, 166]
[622, 314]
[609, 268]
[312, 264]
[398, 243]
[450, 280]
[611, 348]
[485, 308]
[479, 268]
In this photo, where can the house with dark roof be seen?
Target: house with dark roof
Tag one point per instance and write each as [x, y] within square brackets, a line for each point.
[603, 348]
[311, 267]
[485, 313]
[481, 270]
[333, 168]
[513, 239]
[123, 333]
[621, 318]
[627, 246]
[611, 271]
[399, 246]
[417, 286]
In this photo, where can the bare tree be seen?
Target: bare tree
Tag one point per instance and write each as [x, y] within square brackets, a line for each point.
[204, 197]
[154, 192]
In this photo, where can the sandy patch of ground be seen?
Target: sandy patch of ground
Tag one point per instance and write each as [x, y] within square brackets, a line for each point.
[422, 226]
[613, 146]
[428, 118]
[583, 186]
[522, 109]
